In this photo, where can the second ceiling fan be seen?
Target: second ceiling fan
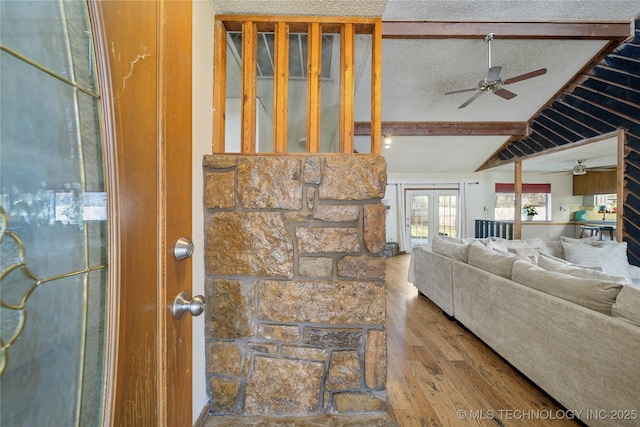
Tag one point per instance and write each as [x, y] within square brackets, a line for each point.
[493, 83]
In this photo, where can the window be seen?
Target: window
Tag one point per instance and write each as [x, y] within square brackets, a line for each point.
[538, 195]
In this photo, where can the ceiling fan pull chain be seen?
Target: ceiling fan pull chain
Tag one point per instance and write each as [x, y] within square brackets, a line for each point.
[488, 39]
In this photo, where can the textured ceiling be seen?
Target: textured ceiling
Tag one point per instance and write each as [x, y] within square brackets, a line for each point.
[366, 8]
[512, 10]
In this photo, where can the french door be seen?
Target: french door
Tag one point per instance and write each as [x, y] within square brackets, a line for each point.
[430, 213]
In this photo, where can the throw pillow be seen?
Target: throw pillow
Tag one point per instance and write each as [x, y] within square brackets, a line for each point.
[627, 305]
[553, 248]
[612, 257]
[591, 239]
[595, 294]
[561, 266]
[493, 261]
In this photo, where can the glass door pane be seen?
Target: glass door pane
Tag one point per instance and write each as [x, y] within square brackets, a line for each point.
[430, 213]
[447, 213]
[419, 218]
[53, 230]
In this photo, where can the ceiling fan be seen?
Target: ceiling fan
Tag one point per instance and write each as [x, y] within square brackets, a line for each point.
[580, 168]
[493, 82]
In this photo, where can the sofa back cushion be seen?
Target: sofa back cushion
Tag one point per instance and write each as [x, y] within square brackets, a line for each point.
[612, 257]
[627, 305]
[493, 261]
[452, 248]
[595, 294]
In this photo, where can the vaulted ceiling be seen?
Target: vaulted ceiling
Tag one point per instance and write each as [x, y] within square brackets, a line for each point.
[603, 98]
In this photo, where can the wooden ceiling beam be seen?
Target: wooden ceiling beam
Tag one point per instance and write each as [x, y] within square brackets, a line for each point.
[445, 128]
[607, 30]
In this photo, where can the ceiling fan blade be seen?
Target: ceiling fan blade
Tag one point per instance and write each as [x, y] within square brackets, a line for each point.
[526, 76]
[493, 75]
[470, 100]
[460, 91]
[503, 93]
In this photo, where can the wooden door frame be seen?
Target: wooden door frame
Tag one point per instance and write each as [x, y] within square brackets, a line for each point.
[144, 67]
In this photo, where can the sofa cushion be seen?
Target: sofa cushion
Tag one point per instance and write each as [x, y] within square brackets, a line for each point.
[532, 253]
[493, 261]
[561, 266]
[451, 248]
[612, 257]
[595, 294]
[627, 305]
[553, 248]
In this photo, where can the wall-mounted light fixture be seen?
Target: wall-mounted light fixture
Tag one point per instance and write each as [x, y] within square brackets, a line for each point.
[387, 141]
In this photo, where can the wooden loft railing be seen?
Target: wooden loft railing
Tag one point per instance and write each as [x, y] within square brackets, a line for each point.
[281, 26]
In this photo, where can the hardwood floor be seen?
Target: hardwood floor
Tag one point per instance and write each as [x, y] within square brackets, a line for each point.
[440, 374]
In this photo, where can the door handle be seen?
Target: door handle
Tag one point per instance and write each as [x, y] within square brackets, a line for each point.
[182, 304]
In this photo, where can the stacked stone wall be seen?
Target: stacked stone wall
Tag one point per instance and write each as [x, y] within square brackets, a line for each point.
[295, 294]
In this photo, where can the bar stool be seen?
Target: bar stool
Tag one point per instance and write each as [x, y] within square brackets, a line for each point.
[605, 229]
[593, 231]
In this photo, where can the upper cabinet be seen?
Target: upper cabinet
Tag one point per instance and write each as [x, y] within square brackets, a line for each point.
[595, 182]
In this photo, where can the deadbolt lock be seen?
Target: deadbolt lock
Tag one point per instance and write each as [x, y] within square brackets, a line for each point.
[183, 248]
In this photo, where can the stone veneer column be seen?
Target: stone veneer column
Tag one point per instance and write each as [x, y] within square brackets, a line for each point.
[295, 317]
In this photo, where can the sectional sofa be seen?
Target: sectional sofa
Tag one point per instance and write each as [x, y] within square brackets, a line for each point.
[571, 327]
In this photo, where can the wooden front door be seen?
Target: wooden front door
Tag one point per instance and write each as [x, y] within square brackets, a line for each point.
[144, 63]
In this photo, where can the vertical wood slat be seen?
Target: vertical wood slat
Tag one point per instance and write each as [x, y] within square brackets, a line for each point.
[376, 87]
[517, 188]
[346, 88]
[249, 79]
[281, 88]
[314, 67]
[220, 87]
[620, 184]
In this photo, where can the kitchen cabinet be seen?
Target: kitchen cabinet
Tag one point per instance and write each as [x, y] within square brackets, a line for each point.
[595, 182]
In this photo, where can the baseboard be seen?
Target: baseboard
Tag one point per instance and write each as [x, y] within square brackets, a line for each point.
[202, 419]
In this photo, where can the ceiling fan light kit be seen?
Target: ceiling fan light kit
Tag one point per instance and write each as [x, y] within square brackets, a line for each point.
[492, 82]
[580, 168]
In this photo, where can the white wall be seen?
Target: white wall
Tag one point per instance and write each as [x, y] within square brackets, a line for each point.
[481, 199]
[233, 128]
[202, 100]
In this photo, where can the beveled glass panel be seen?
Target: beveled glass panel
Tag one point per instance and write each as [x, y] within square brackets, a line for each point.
[40, 384]
[94, 348]
[97, 237]
[81, 44]
[41, 172]
[36, 29]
